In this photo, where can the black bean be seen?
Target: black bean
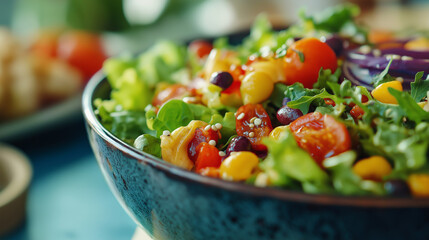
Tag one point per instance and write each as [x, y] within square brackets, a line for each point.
[286, 115]
[238, 144]
[222, 79]
[397, 188]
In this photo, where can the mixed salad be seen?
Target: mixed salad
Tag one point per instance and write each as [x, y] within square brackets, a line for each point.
[324, 106]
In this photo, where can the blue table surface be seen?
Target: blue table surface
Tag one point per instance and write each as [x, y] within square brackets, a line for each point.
[68, 197]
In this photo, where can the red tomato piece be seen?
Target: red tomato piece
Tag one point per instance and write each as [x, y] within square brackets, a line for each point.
[175, 91]
[304, 59]
[200, 47]
[321, 136]
[357, 112]
[83, 50]
[208, 156]
[329, 101]
[255, 130]
[237, 72]
[201, 135]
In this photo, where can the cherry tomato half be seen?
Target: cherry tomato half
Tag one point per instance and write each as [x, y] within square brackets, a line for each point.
[254, 129]
[82, 50]
[304, 59]
[321, 135]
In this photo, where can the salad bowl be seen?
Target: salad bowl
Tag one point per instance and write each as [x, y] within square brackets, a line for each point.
[172, 203]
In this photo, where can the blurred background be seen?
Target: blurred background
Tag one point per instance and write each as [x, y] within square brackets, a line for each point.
[41, 82]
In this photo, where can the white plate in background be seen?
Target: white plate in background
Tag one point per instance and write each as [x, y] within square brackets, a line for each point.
[52, 116]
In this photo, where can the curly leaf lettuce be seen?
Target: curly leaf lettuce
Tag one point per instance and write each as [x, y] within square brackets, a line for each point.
[131, 92]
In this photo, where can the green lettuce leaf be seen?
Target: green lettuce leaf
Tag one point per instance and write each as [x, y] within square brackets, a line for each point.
[173, 114]
[287, 162]
[149, 144]
[160, 62]
[128, 125]
[176, 113]
[130, 91]
[115, 67]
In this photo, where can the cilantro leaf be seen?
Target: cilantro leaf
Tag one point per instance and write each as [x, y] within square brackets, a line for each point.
[419, 87]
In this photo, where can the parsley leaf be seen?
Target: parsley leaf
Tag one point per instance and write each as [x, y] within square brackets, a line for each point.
[419, 87]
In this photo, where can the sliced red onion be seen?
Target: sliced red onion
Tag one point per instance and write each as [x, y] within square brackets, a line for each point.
[362, 65]
[381, 62]
[405, 52]
[364, 76]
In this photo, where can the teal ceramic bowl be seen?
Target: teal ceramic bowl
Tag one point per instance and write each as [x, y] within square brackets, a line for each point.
[172, 203]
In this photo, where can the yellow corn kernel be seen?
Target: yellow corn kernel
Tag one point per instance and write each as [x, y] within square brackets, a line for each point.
[382, 94]
[372, 168]
[174, 148]
[419, 185]
[238, 166]
[277, 132]
[274, 68]
[418, 44]
[256, 87]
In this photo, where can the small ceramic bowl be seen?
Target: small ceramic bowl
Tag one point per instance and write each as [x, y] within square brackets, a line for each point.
[15, 177]
[172, 203]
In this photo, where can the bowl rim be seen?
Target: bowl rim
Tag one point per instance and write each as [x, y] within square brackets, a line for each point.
[265, 192]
